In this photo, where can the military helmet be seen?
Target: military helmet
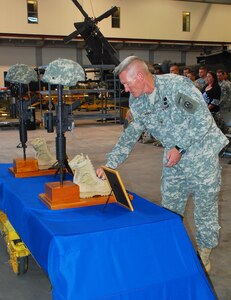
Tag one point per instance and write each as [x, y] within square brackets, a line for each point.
[64, 71]
[21, 73]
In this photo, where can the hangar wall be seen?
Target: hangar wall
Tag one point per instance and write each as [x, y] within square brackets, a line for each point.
[10, 56]
[159, 19]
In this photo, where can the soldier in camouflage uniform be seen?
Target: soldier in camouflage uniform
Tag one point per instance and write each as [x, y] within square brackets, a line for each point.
[172, 110]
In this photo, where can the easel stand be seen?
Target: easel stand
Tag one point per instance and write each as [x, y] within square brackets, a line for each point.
[108, 199]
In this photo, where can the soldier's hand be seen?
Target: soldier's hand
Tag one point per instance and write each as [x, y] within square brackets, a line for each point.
[100, 173]
[173, 157]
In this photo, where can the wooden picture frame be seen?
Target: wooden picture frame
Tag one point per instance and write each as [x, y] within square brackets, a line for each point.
[118, 190]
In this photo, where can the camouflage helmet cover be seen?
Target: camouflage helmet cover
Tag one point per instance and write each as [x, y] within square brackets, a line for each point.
[21, 73]
[64, 71]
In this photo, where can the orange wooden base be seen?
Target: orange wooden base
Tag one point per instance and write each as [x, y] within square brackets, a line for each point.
[25, 165]
[28, 168]
[68, 196]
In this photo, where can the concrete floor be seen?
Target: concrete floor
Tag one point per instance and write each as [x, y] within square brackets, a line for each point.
[141, 174]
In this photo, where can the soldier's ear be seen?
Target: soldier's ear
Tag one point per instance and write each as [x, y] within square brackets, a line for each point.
[140, 76]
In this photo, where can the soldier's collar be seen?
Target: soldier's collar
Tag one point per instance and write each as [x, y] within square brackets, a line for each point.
[151, 97]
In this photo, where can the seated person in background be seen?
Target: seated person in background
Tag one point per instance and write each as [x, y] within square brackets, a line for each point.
[225, 102]
[212, 95]
[226, 77]
[191, 75]
[174, 69]
[186, 71]
[202, 80]
[212, 92]
[157, 70]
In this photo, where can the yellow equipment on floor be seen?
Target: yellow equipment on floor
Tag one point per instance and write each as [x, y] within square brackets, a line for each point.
[16, 248]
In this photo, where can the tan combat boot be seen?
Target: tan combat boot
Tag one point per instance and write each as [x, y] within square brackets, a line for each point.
[204, 255]
[45, 159]
[85, 177]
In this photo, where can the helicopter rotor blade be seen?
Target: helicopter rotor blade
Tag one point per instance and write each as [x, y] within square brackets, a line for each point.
[81, 9]
[81, 27]
[106, 14]
[70, 37]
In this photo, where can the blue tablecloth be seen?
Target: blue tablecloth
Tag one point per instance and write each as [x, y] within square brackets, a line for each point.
[113, 254]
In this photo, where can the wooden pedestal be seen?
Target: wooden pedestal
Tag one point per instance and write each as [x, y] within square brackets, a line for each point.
[68, 196]
[28, 168]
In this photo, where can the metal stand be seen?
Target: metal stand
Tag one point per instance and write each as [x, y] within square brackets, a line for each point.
[108, 198]
[22, 124]
[62, 163]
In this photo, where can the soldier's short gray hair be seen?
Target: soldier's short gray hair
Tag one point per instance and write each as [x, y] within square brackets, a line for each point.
[130, 61]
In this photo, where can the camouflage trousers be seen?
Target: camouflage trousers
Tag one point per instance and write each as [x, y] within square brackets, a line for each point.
[218, 117]
[200, 177]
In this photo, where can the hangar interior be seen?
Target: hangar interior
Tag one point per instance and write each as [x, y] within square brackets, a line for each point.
[97, 36]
